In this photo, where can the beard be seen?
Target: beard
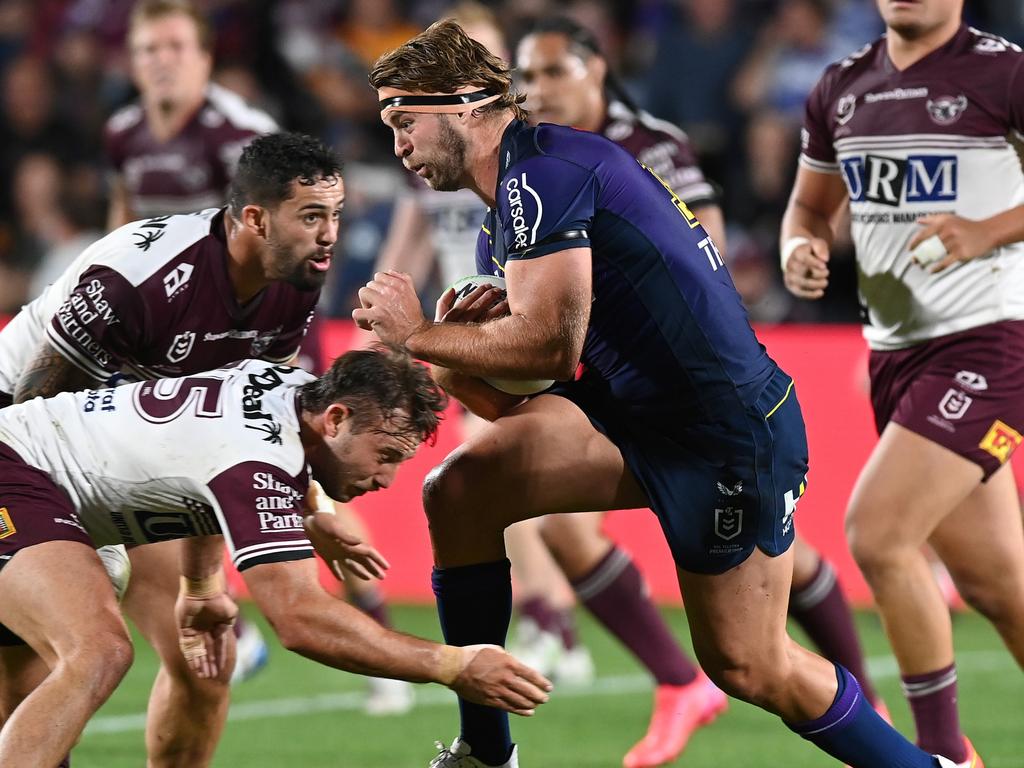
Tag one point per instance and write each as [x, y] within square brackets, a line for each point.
[298, 275]
[446, 172]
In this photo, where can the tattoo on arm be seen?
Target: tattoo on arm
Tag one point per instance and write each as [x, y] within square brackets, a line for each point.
[49, 373]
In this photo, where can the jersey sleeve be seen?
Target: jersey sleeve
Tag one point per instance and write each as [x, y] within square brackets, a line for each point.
[1016, 92]
[485, 262]
[546, 204]
[817, 151]
[100, 323]
[261, 509]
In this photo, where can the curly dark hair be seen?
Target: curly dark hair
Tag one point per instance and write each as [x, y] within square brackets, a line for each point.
[269, 165]
[375, 384]
[442, 59]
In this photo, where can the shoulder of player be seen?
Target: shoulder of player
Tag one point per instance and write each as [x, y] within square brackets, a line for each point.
[994, 47]
[143, 249]
[125, 119]
[551, 150]
[624, 123]
[226, 108]
[850, 67]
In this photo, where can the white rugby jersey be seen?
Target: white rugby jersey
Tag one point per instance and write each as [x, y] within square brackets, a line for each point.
[154, 298]
[218, 452]
[933, 138]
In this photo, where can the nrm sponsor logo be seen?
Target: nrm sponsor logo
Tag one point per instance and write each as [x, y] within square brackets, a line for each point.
[894, 181]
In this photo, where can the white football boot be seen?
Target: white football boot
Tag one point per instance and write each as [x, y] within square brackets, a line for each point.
[458, 756]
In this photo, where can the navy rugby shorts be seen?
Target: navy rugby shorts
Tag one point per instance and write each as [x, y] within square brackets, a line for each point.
[721, 487]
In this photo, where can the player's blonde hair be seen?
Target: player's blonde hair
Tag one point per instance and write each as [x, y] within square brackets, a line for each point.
[442, 59]
[149, 10]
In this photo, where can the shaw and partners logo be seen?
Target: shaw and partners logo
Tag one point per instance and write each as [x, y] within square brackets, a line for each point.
[894, 181]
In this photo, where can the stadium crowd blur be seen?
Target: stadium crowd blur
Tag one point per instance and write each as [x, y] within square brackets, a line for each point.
[732, 73]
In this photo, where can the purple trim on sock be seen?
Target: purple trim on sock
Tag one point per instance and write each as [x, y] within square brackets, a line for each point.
[844, 704]
[540, 612]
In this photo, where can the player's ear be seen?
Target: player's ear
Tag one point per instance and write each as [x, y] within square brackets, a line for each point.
[334, 417]
[255, 218]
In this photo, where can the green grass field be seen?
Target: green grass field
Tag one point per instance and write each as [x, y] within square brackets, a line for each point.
[301, 715]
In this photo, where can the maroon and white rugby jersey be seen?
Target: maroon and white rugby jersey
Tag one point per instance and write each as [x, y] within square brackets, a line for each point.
[933, 138]
[154, 299]
[663, 148]
[191, 170]
[218, 452]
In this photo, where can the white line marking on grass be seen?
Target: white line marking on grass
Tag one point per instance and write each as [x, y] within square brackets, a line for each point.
[433, 696]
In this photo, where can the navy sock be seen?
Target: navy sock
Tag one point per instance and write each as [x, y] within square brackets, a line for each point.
[474, 603]
[853, 733]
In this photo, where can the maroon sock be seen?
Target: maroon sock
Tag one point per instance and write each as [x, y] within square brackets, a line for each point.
[821, 610]
[567, 628]
[932, 699]
[372, 604]
[615, 593]
[539, 611]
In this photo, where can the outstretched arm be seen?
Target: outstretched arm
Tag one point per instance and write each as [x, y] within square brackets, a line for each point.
[310, 622]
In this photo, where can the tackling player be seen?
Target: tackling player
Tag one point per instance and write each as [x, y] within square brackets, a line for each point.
[225, 456]
[567, 81]
[912, 132]
[679, 409]
[174, 295]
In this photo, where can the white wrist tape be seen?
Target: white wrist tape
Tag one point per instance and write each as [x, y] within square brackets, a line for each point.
[928, 251]
[789, 246]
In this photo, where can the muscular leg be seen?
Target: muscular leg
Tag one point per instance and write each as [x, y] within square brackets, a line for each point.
[186, 714]
[610, 585]
[544, 457]
[906, 489]
[818, 605]
[982, 545]
[57, 597]
[738, 622]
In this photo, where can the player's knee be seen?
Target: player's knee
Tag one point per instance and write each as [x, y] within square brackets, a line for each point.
[747, 672]
[995, 599]
[874, 551]
[449, 488]
[99, 660]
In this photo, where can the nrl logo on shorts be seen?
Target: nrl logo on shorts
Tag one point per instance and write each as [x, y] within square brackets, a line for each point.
[181, 346]
[728, 522]
[946, 110]
[954, 404]
[844, 109]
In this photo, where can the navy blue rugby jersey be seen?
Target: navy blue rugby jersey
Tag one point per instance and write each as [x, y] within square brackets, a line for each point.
[667, 328]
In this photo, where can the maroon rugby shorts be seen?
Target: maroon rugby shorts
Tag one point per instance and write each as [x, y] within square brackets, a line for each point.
[962, 391]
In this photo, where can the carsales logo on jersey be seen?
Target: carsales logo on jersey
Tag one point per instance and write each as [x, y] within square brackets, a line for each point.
[893, 181]
[519, 212]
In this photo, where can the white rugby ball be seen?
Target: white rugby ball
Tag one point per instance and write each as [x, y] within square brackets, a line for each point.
[466, 286]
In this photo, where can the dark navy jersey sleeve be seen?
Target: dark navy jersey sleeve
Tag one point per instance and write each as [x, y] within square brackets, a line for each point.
[485, 261]
[546, 204]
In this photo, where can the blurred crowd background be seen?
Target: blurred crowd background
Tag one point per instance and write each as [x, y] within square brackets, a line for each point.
[732, 73]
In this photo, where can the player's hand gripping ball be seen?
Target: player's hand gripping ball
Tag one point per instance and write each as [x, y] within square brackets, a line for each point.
[464, 288]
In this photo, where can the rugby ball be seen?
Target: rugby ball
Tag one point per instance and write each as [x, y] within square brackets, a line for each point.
[462, 289]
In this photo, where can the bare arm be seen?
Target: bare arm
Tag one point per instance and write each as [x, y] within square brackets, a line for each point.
[119, 213]
[549, 301]
[476, 394]
[408, 247]
[814, 204]
[310, 622]
[49, 373]
[202, 556]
